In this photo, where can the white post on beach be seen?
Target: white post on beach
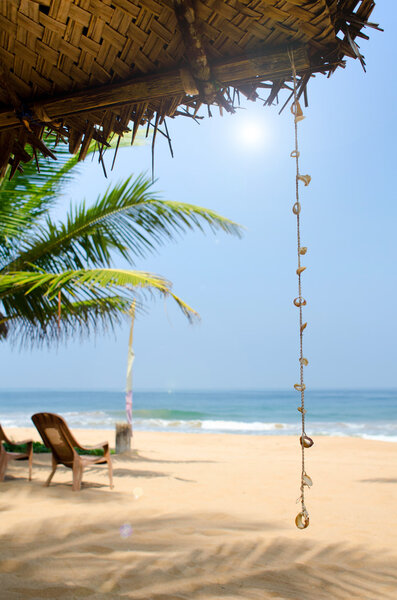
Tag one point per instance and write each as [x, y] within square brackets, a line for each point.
[124, 430]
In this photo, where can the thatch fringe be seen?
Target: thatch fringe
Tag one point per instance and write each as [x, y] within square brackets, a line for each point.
[92, 73]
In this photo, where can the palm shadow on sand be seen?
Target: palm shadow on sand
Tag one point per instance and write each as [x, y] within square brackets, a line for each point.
[204, 556]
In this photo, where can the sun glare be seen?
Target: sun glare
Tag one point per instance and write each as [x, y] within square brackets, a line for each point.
[251, 133]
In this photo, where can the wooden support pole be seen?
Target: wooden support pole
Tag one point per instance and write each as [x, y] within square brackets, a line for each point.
[270, 65]
[194, 49]
[123, 437]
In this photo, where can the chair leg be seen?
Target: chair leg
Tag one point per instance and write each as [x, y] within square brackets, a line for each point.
[3, 462]
[30, 452]
[77, 475]
[54, 468]
[110, 468]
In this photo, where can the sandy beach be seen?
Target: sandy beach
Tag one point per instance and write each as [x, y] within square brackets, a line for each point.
[204, 516]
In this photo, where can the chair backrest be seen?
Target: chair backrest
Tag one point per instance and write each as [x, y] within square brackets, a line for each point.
[3, 437]
[56, 435]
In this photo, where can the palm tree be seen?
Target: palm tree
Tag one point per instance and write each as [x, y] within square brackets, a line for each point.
[57, 278]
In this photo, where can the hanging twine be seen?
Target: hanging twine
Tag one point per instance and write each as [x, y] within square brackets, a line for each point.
[302, 519]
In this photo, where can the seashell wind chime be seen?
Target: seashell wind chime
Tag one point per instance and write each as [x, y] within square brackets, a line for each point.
[302, 518]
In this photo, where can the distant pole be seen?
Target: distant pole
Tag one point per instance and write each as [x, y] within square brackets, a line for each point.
[124, 430]
[130, 361]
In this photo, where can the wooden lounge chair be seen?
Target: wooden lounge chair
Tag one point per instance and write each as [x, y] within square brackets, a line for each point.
[58, 438]
[6, 456]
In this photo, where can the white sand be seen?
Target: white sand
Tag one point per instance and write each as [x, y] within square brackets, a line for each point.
[215, 520]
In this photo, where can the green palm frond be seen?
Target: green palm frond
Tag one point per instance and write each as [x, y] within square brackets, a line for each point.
[30, 194]
[32, 296]
[41, 258]
[52, 283]
[81, 318]
[129, 219]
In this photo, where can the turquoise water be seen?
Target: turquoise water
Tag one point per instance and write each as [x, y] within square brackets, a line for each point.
[370, 414]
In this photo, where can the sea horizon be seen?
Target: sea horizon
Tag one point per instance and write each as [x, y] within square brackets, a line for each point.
[365, 413]
[195, 389]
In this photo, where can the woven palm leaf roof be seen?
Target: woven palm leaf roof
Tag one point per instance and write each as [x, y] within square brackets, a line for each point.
[91, 69]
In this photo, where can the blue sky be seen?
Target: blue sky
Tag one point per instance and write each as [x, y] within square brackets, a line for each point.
[243, 289]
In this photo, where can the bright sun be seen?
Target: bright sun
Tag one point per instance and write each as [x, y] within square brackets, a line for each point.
[251, 133]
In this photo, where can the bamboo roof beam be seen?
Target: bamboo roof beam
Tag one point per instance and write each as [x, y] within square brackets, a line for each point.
[270, 65]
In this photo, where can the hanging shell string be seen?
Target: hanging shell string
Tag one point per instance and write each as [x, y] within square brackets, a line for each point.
[302, 519]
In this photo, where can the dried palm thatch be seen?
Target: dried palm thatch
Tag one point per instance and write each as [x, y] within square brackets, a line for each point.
[90, 69]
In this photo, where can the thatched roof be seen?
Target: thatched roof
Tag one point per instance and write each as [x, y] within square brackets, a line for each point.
[89, 69]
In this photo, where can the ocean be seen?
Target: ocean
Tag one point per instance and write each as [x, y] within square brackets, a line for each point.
[369, 414]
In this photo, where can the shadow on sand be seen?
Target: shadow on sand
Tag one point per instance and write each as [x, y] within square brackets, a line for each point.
[137, 457]
[379, 480]
[103, 544]
[205, 556]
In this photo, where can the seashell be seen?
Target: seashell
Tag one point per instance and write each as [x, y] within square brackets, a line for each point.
[299, 302]
[296, 208]
[302, 410]
[304, 361]
[306, 441]
[300, 270]
[307, 480]
[300, 387]
[297, 111]
[303, 250]
[305, 178]
[303, 327]
[295, 107]
[302, 520]
[295, 154]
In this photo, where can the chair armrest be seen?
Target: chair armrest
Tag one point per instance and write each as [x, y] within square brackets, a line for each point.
[22, 443]
[103, 446]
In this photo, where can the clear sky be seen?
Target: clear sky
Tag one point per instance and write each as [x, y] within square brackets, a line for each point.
[243, 289]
